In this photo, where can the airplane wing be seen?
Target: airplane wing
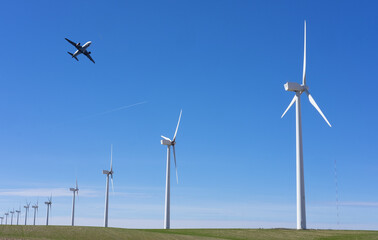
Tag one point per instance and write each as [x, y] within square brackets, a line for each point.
[73, 43]
[90, 58]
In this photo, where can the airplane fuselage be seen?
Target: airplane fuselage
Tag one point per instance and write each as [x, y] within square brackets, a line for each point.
[82, 49]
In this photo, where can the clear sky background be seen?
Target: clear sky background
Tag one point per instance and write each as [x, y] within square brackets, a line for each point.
[224, 63]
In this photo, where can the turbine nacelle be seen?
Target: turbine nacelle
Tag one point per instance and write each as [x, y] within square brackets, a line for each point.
[166, 142]
[72, 189]
[107, 172]
[294, 87]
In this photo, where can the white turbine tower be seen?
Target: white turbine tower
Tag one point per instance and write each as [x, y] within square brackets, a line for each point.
[35, 211]
[6, 218]
[18, 214]
[1, 220]
[48, 205]
[169, 143]
[26, 211]
[74, 190]
[12, 213]
[107, 186]
[299, 89]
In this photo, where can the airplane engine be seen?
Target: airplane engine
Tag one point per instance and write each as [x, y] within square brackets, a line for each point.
[89, 52]
[78, 44]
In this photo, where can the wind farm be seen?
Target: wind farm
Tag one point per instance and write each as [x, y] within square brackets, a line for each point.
[218, 81]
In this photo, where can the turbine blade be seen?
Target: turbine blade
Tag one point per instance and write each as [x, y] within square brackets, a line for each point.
[174, 157]
[312, 101]
[304, 57]
[111, 179]
[291, 103]
[178, 123]
[166, 138]
[111, 157]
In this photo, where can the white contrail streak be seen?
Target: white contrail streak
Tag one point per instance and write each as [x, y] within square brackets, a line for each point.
[101, 113]
[114, 110]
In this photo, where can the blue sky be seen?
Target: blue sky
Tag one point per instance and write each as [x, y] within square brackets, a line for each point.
[224, 63]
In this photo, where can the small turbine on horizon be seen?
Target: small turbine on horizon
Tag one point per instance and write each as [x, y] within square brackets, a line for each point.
[48, 205]
[299, 89]
[107, 173]
[168, 142]
[6, 217]
[18, 214]
[74, 190]
[35, 211]
[12, 213]
[26, 211]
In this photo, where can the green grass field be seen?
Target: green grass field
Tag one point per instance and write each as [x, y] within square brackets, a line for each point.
[65, 232]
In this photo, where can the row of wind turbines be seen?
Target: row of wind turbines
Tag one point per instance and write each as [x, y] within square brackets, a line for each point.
[297, 88]
[109, 176]
[27, 206]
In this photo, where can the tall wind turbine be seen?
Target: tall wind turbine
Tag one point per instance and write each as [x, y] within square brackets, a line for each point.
[107, 186]
[18, 214]
[74, 190]
[35, 211]
[6, 218]
[12, 213]
[168, 142]
[26, 211]
[48, 204]
[299, 89]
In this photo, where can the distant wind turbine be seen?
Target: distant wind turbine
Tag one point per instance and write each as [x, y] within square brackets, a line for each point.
[299, 89]
[74, 190]
[35, 211]
[107, 186]
[6, 218]
[18, 214]
[1, 220]
[48, 205]
[12, 213]
[26, 211]
[168, 142]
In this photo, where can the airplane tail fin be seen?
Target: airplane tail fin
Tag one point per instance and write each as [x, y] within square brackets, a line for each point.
[73, 56]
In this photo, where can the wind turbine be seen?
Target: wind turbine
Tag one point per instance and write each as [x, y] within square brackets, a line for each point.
[299, 89]
[1, 220]
[26, 211]
[48, 203]
[12, 213]
[18, 214]
[6, 218]
[35, 210]
[107, 186]
[169, 143]
[74, 190]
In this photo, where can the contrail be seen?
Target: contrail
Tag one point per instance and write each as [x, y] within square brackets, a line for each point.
[113, 110]
[102, 113]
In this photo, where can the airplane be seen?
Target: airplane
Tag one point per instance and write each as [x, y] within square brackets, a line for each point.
[80, 49]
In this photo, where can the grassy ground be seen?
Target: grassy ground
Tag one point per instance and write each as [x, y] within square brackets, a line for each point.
[71, 233]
